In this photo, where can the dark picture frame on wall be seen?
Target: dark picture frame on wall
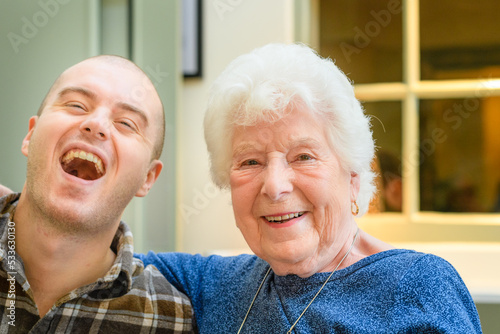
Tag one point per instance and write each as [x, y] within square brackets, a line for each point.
[191, 38]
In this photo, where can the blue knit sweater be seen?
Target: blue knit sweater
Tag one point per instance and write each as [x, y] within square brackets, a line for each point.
[396, 291]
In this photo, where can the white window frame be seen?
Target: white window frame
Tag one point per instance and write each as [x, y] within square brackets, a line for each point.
[470, 241]
[408, 93]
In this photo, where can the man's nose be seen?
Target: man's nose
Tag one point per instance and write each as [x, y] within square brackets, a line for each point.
[97, 124]
[278, 179]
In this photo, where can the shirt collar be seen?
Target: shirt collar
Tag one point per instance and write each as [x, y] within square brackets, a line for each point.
[118, 279]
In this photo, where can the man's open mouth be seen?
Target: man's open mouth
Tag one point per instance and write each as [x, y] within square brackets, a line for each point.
[83, 165]
[284, 218]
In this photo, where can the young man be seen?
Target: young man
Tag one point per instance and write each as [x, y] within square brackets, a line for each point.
[66, 259]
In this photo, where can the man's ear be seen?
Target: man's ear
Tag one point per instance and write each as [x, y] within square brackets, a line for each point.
[153, 173]
[26, 140]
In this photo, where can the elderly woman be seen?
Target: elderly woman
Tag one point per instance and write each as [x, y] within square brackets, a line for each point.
[298, 165]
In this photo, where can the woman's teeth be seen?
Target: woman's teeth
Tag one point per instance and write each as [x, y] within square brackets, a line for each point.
[280, 219]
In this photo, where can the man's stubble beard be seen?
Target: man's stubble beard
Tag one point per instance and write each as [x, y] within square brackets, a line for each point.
[74, 217]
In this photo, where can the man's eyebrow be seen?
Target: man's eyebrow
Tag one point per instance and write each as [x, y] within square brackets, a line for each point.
[129, 107]
[78, 90]
[93, 96]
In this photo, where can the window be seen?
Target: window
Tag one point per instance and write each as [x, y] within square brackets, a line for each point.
[429, 75]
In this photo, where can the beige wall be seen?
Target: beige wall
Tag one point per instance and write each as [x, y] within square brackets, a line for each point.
[230, 28]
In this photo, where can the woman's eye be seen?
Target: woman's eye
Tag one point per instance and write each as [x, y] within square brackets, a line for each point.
[304, 157]
[250, 162]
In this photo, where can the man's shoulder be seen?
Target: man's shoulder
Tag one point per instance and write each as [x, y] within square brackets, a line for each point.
[150, 280]
[8, 203]
[151, 296]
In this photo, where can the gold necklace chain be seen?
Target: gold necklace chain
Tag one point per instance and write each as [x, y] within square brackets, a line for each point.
[316, 295]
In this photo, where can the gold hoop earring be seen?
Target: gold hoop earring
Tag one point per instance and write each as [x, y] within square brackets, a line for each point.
[354, 208]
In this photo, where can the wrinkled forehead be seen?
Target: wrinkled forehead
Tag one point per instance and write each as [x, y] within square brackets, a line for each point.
[298, 126]
[113, 80]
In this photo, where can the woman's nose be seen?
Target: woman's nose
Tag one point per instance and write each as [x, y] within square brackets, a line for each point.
[277, 180]
[97, 125]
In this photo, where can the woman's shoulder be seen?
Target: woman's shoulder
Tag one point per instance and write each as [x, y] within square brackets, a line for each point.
[389, 258]
[407, 271]
[408, 275]
[396, 264]
[378, 255]
[431, 270]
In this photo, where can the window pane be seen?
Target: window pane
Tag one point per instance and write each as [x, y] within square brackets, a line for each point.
[459, 39]
[363, 37]
[460, 155]
[386, 126]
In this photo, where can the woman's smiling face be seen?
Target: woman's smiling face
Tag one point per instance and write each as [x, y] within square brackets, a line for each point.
[291, 197]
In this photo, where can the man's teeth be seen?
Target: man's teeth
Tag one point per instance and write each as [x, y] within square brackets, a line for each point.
[84, 156]
[284, 217]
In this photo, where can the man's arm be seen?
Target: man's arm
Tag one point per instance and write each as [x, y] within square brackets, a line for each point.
[4, 191]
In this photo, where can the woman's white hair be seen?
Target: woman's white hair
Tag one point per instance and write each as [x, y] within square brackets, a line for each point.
[266, 84]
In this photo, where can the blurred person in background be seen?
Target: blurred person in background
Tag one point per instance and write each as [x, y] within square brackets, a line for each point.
[389, 193]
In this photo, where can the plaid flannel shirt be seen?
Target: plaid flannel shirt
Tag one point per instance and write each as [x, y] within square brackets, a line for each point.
[129, 299]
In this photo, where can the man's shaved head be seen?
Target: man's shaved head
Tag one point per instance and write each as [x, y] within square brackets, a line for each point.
[144, 84]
